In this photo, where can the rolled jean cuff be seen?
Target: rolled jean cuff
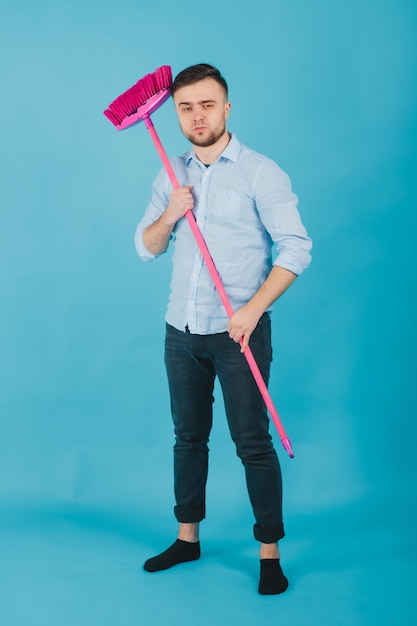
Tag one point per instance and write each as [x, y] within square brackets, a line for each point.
[271, 535]
[189, 515]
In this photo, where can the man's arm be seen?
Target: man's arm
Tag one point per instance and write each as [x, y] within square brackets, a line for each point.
[244, 321]
[156, 236]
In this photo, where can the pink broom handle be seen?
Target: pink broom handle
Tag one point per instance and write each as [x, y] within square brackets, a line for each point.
[219, 286]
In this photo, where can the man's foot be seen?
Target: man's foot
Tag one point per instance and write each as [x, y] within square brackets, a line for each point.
[180, 552]
[272, 580]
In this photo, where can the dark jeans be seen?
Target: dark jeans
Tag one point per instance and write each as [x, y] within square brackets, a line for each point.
[193, 362]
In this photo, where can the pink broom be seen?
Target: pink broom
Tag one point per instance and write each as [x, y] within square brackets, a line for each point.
[136, 105]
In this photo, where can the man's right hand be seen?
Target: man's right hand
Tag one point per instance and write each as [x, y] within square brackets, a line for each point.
[181, 201]
[156, 236]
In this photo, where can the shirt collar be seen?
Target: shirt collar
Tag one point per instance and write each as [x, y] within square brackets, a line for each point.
[231, 151]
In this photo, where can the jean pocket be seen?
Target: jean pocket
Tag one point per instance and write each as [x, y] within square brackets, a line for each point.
[264, 329]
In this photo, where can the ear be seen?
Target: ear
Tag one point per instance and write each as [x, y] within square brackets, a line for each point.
[227, 109]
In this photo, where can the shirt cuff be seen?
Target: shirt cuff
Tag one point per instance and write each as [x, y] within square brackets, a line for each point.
[295, 265]
[142, 251]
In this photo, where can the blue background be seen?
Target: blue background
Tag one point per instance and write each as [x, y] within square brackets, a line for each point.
[328, 90]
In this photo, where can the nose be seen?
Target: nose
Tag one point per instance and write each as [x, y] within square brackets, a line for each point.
[198, 114]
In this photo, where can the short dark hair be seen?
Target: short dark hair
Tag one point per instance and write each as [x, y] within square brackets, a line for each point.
[195, 73]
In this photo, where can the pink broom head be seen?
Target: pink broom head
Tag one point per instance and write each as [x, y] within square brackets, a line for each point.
[138, 102]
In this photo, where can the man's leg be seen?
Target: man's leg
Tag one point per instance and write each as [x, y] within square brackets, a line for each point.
[249, 427]
[189, 532]
[191, 382]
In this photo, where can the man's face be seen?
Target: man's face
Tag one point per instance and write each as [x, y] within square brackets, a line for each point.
[202, 112]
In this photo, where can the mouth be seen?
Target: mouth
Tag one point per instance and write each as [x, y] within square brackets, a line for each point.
[199, 129]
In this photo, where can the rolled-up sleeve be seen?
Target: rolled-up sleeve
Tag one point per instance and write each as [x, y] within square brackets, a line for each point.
[157, 205]
[277, 207]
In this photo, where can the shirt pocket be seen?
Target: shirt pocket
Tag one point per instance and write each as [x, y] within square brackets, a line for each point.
[226, 205]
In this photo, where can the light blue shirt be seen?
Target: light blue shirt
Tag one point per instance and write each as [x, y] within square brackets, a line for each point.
[243, 204]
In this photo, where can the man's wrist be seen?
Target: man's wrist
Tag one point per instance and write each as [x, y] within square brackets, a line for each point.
[167, 222]
[255, 307]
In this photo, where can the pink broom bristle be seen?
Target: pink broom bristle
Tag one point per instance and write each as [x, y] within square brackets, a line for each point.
[128, 102]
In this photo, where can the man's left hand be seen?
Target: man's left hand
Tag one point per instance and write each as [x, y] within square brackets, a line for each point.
[241, 326]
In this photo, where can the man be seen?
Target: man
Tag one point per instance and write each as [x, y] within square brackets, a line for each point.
[243, 204]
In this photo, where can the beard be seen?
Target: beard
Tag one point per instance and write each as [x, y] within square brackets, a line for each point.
[209, 140]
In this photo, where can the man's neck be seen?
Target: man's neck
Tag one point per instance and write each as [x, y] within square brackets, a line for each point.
[210, 154]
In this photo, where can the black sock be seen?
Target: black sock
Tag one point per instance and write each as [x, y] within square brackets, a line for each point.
[179, 552]
[272, 580]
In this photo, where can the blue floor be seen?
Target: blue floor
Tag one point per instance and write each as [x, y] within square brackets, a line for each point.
[85, 567]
